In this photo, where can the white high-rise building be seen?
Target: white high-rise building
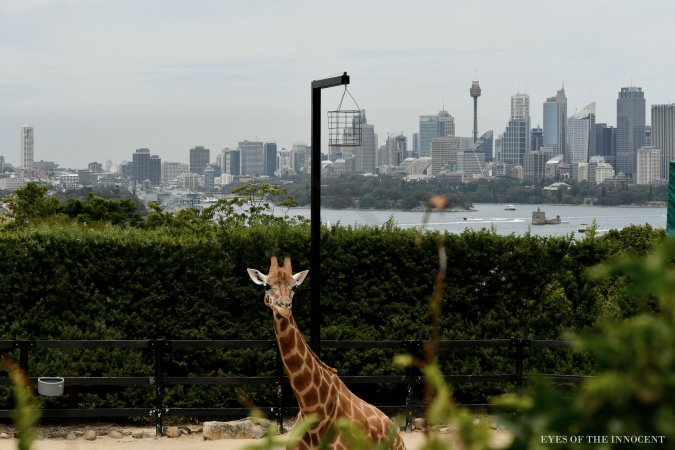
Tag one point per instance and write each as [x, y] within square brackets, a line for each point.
[252, 158]
[27, 147]
[520, 105]
[580, 125]
[648, 165]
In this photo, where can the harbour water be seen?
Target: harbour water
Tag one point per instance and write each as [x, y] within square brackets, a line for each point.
[505, 222]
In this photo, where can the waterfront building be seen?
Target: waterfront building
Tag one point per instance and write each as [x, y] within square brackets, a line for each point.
[27, 147]
[630, 129]
[199, 158]
[648, 165]
[580, 135]
[252, 154]
[555, 121]
[663, 134]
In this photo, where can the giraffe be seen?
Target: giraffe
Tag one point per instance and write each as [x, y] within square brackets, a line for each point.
[316, 386]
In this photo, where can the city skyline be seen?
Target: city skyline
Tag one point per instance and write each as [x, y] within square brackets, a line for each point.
[98, 80]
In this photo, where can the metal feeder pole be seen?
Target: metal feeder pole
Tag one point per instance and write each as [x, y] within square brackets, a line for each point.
[315, 216]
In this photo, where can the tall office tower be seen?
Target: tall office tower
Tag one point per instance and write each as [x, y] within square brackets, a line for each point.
[516, 139]
[580, 135]
[555, 121]
[270, 158]
[442, 124]
[141, 165]
[27, 147]
[536, 139]
[285, 159]
[252, 158]
[663, 134]
[95, 167]
[475, 93]
[605, 143]
[401, 148]
[630, 128]
[155, 170]
[199, 158]
[444, 151]
[365, 153]
[2, 164]
[520, 105]
[232, 161]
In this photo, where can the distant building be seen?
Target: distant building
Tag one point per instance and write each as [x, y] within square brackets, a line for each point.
[27, 147]
[232, 161]
[301, 157]
[442, 124]
[155, 172]
[199, 158]
[189, 181]
[252, 154]
[515, 142]
[95, 167]
[537, 139]
[485, 145]
[648, 165]
[45, 166]
[171, 170]
[663, 135]
[444, 151]
[534, 167]
[141, 165]
[630, 129]
[555, 121]
[209, 178]
[580, 135]
[284, 162]
[270, 158]
[415, 153]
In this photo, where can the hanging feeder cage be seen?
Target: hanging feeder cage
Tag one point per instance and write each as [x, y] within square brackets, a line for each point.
[344, 125]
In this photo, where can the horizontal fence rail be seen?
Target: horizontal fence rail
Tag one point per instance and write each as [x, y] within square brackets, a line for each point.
[159, 380]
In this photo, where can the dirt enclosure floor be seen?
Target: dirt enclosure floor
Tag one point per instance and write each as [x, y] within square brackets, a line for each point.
[142, 438]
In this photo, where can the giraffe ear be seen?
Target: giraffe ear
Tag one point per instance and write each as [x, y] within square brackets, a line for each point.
[257, 276]
[300, 277]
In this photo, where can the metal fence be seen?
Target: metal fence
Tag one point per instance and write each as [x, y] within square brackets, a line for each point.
[159, 380]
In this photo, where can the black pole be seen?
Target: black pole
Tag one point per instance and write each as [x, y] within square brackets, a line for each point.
[315, 215]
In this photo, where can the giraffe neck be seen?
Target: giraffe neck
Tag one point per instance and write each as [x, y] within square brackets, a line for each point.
[311, 380]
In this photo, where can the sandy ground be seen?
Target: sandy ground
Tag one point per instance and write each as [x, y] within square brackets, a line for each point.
[413, 441]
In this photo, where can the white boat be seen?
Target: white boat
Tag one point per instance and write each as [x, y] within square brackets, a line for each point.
[583, 227]
[509, 208]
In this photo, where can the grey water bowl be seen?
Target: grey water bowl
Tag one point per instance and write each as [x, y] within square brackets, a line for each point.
[50, 386]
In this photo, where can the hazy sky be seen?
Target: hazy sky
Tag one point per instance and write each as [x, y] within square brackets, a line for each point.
[99, 79]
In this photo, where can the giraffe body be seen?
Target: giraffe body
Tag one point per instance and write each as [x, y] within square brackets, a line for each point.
[316, 386]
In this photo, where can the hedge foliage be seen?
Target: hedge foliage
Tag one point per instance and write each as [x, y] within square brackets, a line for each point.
[66, 280]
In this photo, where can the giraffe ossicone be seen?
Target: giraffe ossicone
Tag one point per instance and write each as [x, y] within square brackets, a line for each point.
[316, 386]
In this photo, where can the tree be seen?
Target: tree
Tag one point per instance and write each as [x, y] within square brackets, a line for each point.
[31, 203]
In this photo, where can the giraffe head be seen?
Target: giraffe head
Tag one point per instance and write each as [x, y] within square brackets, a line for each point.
[279, 285]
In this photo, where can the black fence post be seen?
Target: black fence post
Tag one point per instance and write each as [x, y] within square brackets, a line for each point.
[24, 347]
[414, 349]
[160, 386]
[520, 345]
[279, 381]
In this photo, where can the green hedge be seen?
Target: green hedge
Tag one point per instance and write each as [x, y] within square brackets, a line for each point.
[70, 281]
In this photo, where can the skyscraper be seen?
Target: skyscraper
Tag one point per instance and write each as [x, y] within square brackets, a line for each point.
[442, 124]
[580, 134]
[444, 151]
[555, 121]
[630, 129]
[270, 158]
[516, 139]
[663, 134]
[252, 158]
[199, 158]
[27, 147]
[155, 170]
[141, 165]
